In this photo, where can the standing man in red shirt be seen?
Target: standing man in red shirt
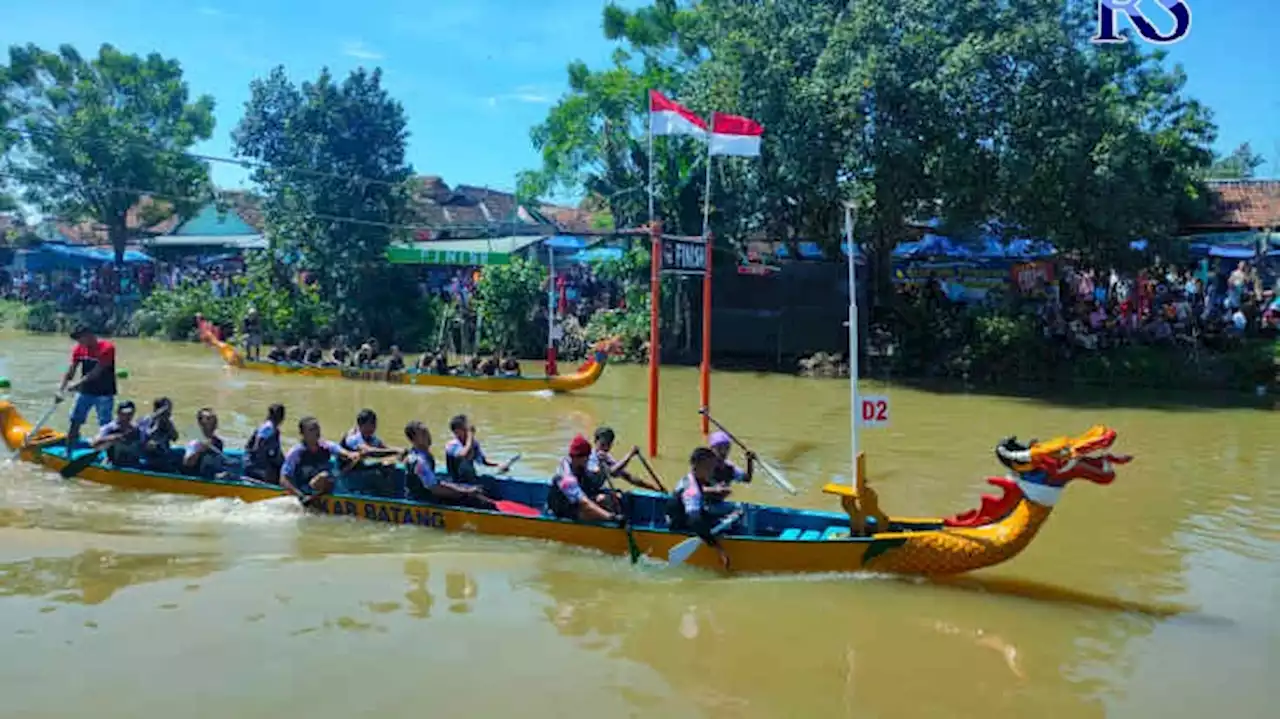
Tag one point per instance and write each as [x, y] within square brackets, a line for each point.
[96, 388]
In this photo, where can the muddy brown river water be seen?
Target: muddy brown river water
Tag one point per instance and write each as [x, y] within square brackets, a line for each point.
[1158, 596]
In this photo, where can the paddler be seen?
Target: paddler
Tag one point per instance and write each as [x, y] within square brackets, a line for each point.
[251, 328]
[277, 353]
[462, 452]
[263, 455]
[204, 457]
[96, 388]
[307, 468]
[603, 463]
[726, 472]
[158, 435]
[424, 485]
[568, 497]
[363, 438]
[121, 438]
[691, 508]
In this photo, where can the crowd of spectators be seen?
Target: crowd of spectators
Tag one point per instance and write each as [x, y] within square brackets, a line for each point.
[1200, 304]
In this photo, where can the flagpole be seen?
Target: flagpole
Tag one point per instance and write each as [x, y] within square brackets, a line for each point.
[855, 407]
[704, 378]
[651, 157]
[706, 195]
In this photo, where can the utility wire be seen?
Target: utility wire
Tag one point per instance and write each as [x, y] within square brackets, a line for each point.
[244, 164]
[49, 178]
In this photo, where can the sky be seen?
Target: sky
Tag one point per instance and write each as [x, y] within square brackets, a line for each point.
[476, 75]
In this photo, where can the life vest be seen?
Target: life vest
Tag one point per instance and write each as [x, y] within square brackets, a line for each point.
[128, 451]
[724, 473]
[311, 463]
[557, 502]
[677, 516]
[414, 489]
[264, 453]
[211, 463]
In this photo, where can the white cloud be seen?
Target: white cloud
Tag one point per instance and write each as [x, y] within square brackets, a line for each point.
[359, 51]
[529, 94]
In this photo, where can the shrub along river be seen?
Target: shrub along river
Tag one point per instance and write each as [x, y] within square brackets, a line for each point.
[1152, 597]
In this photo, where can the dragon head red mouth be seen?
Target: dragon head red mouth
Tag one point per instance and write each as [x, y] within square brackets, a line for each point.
[1063, 459]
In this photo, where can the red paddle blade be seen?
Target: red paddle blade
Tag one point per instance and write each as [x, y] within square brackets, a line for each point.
[509, 507]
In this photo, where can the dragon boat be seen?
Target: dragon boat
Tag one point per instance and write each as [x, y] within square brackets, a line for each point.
[584, 377]
[770, 539]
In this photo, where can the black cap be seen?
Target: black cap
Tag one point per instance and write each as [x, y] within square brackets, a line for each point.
[80, 331]
[126, 406]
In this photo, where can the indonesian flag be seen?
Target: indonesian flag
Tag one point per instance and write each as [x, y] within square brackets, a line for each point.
[672, 118]
[735, 135]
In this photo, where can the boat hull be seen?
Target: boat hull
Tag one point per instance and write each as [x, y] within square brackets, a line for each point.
[920, 546]
[562, 383]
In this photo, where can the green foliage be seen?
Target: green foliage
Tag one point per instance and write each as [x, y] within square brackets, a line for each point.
[84, 136]
[966, 111]
[508, 299]
[336, 131]
[630, 326]
[1240, 164]
[288, 313]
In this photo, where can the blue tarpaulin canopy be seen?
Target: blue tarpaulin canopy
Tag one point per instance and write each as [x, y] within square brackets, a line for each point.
[56, 256]
[565, 242]
[597, 254]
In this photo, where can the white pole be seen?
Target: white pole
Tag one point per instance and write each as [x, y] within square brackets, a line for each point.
[650, 159]
[706, 196]
[855, 407]
[551, 298]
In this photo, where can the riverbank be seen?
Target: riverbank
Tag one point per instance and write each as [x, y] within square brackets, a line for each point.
[995, 362]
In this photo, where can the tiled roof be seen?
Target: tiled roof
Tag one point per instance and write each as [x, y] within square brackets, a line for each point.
[1245, 204]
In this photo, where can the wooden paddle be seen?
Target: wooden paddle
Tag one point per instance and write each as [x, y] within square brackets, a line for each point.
[682, 551]
[649, 468]
[79, 464]
[774, 474]
[633, 548]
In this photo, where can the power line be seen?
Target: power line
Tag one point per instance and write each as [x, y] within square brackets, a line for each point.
[49, 178]
[242, 163]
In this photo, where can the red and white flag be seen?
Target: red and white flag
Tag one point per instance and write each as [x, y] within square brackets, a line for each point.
[672, 118]
[735, 135]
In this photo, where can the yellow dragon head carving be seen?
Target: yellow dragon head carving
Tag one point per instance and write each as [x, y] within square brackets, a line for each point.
[1060, 460]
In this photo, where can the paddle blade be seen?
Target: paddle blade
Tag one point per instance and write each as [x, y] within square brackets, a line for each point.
[78, 465]
[523, 510]
[777, 477]
[682, 551]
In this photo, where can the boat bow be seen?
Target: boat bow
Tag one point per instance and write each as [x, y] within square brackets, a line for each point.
[1004, 525]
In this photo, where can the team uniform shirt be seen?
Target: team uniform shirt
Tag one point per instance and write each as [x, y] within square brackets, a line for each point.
[568, 484]
[264, 447]
[690, 494]
[301, 464]
[727, 472]
[211, 462]
[463, 466]
[90, 358]
[422, 466]
[354, 441]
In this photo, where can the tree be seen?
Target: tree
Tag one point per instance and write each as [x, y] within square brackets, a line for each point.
[90, 138]
[964, 111]
[335, 184]
[509, 299]
[1240, 164]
